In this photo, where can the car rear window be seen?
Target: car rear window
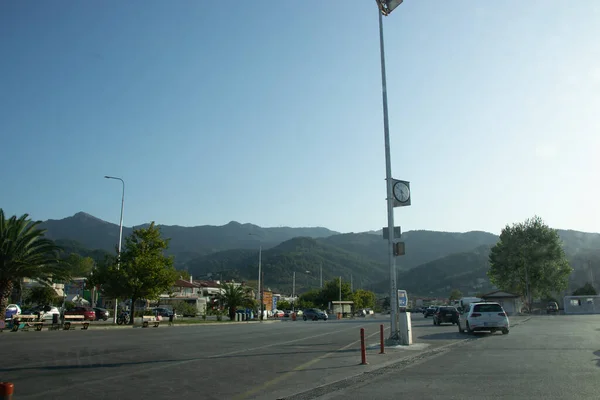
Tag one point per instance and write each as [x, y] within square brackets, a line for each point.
[487, 308]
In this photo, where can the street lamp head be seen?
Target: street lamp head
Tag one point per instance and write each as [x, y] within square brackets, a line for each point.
[387, 6]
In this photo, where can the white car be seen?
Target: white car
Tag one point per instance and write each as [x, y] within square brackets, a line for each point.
[484, 316]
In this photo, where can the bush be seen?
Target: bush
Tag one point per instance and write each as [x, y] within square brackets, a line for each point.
[185, 308]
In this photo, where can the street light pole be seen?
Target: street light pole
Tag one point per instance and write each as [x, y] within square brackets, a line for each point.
[321, 276]
[294, 292]
[385, 7]
[259, 295]
[120, 240]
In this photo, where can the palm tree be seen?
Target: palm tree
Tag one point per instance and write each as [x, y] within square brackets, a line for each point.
[233, 296]
[25, 253]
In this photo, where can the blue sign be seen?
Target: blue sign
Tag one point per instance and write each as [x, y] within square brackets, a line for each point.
[274, 303]
[402, 299]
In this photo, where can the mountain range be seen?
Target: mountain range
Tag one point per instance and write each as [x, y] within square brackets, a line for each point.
[434, 264]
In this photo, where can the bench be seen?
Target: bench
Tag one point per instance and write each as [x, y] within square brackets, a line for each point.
[70, 320]
[24, 322]
[147, 319]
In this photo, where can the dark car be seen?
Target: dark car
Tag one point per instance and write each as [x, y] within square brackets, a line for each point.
[163, 312]
[429, 311]
[314, 314]
[445, 315]
[101, 313]
[88, 312]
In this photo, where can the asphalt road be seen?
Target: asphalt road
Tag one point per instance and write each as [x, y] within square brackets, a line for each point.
[546, 357]
[228, 361]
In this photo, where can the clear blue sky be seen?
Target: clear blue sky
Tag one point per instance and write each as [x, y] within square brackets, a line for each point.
[270, 112]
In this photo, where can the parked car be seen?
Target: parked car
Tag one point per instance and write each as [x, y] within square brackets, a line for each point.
[163, 312]
[445, 315]
[484, 317]
[429, 311]
[101, 313]
[552, 308]
[12, 309]
[314, 314]
[44, 312]
[88, 312]
[278, 313]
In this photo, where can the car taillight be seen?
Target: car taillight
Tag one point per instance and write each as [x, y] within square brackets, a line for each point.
[502, 314]
[475, 315]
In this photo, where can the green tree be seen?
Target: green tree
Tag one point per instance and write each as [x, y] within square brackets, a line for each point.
[233, 296]
[309, 299]
[145, 272]
[363, 299]
[284, 305]
[184, 308]
[331, 292]
[455, 294]
[79, 266]
[42, 295]
[25, 253]
[529, 260]
[586, 290]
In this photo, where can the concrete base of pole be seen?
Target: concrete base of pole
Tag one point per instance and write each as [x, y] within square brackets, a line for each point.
[405, 328]
[403, 337]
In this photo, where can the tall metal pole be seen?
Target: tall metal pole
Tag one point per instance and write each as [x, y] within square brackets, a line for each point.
[120, 242]
[294, 292]
[394, 328]
[260, 282]
[321, 276]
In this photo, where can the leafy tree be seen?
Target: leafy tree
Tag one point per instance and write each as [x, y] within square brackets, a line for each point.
[184, 308]
[233, 296]
[331, 292]
[586, 290]
[363, 299]
[25, 253]
[284, 305]
[145, 271]
[42, 295]
[309, 299]
[80, 266]
[455, 294]
[529, 255]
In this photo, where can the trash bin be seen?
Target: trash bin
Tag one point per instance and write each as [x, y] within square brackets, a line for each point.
[55, 319]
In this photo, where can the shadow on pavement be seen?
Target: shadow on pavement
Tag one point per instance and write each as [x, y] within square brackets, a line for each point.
[451, 336]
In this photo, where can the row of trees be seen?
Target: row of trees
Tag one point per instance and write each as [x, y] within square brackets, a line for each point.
[142, 271]
[331, 292]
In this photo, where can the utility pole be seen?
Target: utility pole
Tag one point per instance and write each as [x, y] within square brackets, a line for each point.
[294, 292]
[351, 283]
[321, 276]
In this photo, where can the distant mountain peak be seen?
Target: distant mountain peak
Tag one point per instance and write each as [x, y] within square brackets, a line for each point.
[85, 216]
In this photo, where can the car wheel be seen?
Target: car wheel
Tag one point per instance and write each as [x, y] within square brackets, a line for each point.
[304, 318]
[505, 331]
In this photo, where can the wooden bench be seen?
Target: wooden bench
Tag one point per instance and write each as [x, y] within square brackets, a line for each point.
[70, 320]
[147, 319]
[23, 322]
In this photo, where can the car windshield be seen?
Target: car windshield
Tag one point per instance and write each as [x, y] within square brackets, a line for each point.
[487, 308]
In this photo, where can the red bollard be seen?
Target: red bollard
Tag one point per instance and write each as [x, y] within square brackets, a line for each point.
[381, 345]
[6, 390]
[363, 349]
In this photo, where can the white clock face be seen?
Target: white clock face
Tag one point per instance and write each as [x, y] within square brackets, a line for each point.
[401, 192]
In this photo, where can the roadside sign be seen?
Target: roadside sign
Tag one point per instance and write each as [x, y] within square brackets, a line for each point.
[402, 298]
[274, 303]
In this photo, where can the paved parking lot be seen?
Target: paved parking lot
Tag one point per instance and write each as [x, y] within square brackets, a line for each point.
[233, 361]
